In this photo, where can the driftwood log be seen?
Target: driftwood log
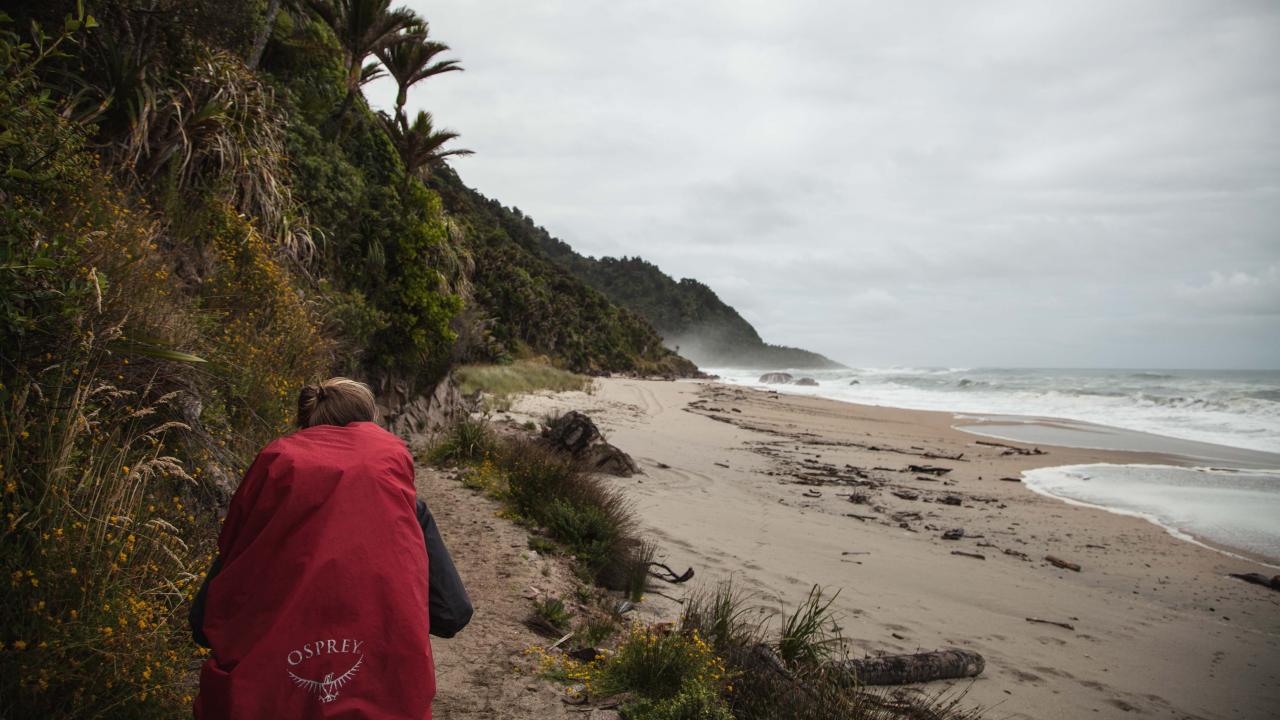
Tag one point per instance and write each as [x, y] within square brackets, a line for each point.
[928, 469]
[1064, 564]
[1259, 579]
[920, 667]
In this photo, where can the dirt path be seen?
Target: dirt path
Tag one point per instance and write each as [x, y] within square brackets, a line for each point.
[483, 672]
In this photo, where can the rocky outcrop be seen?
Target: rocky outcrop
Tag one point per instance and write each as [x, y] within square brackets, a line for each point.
[776, 378]
[578, 435]
[411, 415]
[809, 382]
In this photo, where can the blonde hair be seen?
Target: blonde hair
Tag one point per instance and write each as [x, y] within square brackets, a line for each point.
[336, 401]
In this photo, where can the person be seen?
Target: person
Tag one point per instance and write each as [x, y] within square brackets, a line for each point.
[321, 600]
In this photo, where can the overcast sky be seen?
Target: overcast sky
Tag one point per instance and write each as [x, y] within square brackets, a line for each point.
[899, 183]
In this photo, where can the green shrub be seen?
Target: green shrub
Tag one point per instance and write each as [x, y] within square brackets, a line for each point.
[669, 674]
[543, 545]
[467, 441]
[693, 701]
[550, 489]
[596, 630]
[551, 614]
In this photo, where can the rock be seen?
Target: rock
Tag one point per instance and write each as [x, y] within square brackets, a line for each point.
[906, 494]
[953, 534]
[575, 694]
[577, 435]
[951, 500]
[776, 378]
[586, 654]
[412, 415]
[854, 382]
[807, 381]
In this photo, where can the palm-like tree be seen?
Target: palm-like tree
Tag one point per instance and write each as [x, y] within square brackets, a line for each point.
[414, 60]
[420, 145]
[365, 27]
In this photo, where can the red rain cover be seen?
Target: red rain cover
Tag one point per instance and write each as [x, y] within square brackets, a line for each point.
[320, 607]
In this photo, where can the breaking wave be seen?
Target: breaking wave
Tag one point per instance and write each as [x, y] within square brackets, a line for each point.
[1234, 408]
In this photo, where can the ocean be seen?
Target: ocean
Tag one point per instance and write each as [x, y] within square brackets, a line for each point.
[1224, 426]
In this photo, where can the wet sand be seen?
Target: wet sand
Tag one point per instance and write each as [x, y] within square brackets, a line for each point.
[756, 486]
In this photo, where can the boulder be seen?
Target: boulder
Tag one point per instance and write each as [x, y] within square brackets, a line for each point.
[578, 435]
[807, 381]
[776, 378]
[413, 415]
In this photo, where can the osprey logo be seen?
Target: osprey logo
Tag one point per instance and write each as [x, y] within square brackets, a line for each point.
[327, 687]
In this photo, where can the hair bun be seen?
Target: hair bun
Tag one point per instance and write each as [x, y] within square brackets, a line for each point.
[336, 401]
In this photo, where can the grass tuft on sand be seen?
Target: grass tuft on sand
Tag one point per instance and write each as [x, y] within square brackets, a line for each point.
[548, 489]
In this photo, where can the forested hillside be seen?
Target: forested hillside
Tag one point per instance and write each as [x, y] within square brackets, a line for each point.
[688, 314]
[199, 213]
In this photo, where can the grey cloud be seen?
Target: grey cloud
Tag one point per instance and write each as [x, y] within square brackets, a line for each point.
[991, 183]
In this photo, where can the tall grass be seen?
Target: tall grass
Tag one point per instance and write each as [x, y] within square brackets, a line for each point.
[549, 489]
[809, 634]
[523, 376]
[101, 550]
[781, 672]
[110, 438]
[466, 442]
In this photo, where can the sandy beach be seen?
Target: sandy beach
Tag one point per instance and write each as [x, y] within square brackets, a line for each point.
[755, 486]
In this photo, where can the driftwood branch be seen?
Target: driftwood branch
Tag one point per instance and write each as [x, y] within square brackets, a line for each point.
[1011, 449]
[671, 575]
[1068, 626]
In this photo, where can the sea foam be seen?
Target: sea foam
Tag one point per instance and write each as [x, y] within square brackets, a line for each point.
[1225, 508]
[1234, 408]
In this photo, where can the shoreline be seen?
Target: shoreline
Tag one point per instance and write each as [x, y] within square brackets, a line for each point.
[754, 484]
[1157, 451]
[1175, 532]
[1059, 432]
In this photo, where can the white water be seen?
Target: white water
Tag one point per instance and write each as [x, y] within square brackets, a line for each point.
[1234, 508]
[1234, 408]
[1231, 507]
